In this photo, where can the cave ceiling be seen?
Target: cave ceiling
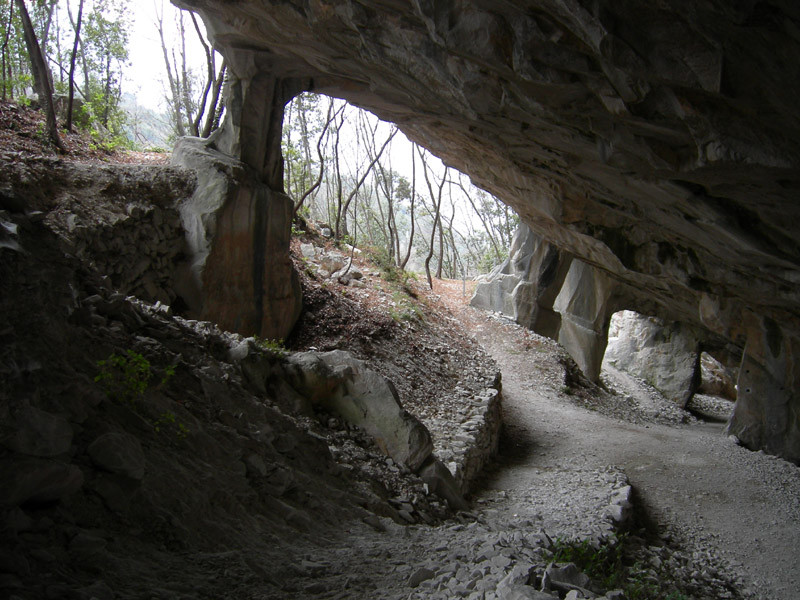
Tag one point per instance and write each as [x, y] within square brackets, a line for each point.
[657, 140]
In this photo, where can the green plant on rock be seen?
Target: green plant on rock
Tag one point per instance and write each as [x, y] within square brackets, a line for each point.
[168, 422]
[274, 347]
[605, 564]
[124, 377]
[601, 562]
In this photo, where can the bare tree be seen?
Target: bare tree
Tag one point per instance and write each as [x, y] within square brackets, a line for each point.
[436, 198]
[6, 56]
[72, 59]
[328, 120]
[404, 262]
[41, 75]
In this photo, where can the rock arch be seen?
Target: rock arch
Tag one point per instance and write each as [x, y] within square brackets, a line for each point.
[657, 143]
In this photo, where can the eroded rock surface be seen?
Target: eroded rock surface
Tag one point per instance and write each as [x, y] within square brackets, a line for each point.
[656, 142]
[666, 355]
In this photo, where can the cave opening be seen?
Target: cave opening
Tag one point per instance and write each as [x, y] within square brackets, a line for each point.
[670, 358]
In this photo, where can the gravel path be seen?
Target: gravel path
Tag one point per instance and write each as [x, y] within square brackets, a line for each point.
[723, 503]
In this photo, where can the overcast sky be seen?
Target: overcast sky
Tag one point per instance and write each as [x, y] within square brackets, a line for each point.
[146, 75]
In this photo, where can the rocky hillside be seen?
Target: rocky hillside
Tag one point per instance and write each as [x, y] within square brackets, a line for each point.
[146, 455]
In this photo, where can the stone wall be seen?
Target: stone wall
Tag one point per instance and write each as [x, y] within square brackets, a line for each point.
[475, 441]
[140, 250]
[122, 220]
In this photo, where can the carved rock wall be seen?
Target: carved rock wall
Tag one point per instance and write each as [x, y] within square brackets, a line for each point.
[656, 142]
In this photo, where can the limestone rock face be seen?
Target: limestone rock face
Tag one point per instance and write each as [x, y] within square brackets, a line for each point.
[716, 378]
[666, 355]
[343, 385]
[525, 285]
[237, 232]
[655, 142]
[365, 398]
[585, 306]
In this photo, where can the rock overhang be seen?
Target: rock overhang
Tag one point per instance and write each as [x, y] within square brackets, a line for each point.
[659, 142]
[656, 143]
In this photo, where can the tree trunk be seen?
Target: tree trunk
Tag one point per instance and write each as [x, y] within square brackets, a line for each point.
[404, 262]
[209, 81]
[184, 80]
[175, 100]
[437, 198]
[72, 66]
[5, 52]
[40, 75]
[211, 116]
[329, 119]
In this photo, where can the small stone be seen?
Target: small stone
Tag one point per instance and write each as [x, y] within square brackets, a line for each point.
[420, 575]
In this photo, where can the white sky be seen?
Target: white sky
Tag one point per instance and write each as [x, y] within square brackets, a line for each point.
[146, 76]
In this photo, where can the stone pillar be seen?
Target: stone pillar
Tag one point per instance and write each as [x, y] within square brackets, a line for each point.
[527, 283]
[238, 222]
[767, 411]
[585, 306]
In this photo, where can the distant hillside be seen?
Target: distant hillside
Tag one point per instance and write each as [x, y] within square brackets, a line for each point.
[146, 127]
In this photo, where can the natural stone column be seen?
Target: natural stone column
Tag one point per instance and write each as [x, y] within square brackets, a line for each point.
[767, 411]
[585, 306]
[527, 283]
[238, 222]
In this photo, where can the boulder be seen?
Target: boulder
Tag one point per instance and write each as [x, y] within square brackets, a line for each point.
[119, 453]
[35, 432]
[344, 385]
[666, 355]
[37, 480]
[441, 482]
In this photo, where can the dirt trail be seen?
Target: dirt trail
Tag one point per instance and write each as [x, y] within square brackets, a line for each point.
[694, 484]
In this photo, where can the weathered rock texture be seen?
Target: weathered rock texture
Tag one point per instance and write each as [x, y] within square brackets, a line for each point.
[717, 379]
[657, 142]
[121, 220]
[239, 219]
[666, 355]
[525, 285]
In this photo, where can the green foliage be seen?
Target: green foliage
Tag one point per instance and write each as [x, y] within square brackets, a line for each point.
[124, 377]
[102, 55]
[406, 309]
[274, 347]
[605, 564]
[167, 422]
